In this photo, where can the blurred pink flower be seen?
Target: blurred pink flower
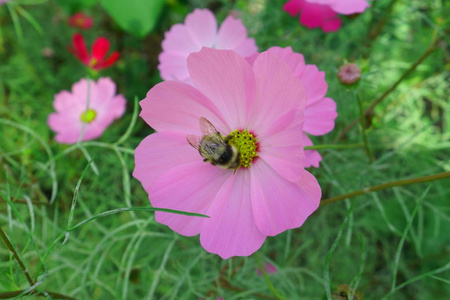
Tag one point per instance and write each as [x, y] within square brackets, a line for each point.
[320, 112]
[75, 119]
[198, 30]
[264, 102]
[324, 13]
[80, 20]
[268, 268]
[3, 1]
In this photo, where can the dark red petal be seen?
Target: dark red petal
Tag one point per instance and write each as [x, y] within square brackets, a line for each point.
[109, 61]
[100, 48]
[80, 48]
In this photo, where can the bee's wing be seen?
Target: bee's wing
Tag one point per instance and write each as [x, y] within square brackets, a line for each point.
[194, 140]
[207, 128]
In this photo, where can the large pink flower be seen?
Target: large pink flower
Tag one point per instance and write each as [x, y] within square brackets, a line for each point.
[274, 193]
[320, 111]
[198, 30]
[324, 13]
[87, 111]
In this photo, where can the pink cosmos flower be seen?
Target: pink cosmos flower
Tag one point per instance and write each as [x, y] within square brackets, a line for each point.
[320, 111]
[259, 110]
[198, 30]
[85, 112]
[324, 13]
[80, 20]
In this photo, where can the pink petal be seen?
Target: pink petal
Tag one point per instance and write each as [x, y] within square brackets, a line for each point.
[317, 15]
[293, 7]
[232, 35]
[320, 116]
[225, 78]
[177, 45]
[202, 27]
[231, 230]
[277, 91]
[173, 66]
[67, 128]
[312, 157]
[282, 146]
[315, 82]
[189, 187]
[176, 106]
[177, 39]
[160, 152]
[350, 6]
[66, 102]
[101, 92]
[295, 61]
[279, 204]
[100, 48]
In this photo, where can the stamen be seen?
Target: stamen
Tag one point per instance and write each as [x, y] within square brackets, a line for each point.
[246, 145]
[88, 116]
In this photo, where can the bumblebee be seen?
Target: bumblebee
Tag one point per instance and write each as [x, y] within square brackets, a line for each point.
[213, 147]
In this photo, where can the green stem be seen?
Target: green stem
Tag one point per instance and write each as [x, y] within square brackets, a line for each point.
[363, 127]
[8, 295]
[16, 256]
[387, 186]
[266, 278]
[324, 147]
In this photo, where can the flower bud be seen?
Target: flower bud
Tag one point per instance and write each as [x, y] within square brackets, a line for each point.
[349, 73]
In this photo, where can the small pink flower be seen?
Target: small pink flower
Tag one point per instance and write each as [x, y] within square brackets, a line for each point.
[3, 1]
[324, 13]
[74, 119]
[198, 30]
[259, 110]
[80, 20]
[320, 111]
[268, 268]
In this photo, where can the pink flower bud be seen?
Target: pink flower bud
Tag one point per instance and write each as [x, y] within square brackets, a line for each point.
[349, 74]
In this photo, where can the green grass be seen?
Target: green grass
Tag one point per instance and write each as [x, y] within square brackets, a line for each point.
[391, 244]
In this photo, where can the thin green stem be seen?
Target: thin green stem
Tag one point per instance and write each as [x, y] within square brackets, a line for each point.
[387, 186]
[363, 127]
[16, 256]
[325, 147]
[53, 295]
[266, 278]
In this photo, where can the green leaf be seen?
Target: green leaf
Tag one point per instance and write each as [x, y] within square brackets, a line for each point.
[73, 6]
[137, 17]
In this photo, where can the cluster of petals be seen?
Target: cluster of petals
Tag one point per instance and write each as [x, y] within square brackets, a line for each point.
[80, 20]
[98, 98]
[244, 206]
[97, 59]
[324, 13]
[200, 30]
[320, 111]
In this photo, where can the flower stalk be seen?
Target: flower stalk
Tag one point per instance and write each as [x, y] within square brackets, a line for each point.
[387, 185]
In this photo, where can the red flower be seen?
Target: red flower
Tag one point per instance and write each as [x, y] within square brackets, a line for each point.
[80, 20]
[96, 60]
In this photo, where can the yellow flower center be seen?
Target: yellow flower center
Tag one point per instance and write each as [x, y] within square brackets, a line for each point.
[88, 116]
[93, 62]
[246, 145]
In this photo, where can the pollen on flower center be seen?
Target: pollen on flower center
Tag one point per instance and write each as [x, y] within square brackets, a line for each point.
[246, 145]
[93, 62]
[88, 116]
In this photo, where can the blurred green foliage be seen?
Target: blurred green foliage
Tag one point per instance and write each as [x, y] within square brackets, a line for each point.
[130, 256]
